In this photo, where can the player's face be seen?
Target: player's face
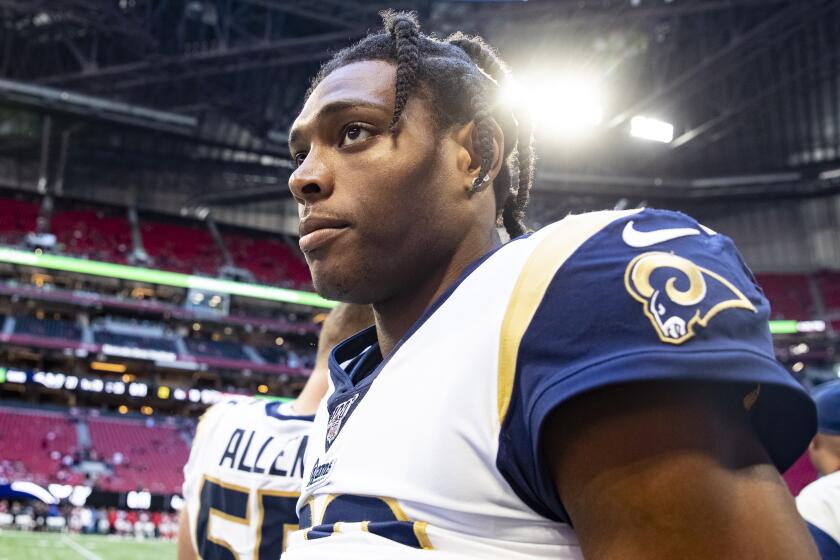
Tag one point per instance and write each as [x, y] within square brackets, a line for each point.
[379, 211]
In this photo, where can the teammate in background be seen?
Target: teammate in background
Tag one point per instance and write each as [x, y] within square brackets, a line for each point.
[819, 502]
[244, 473]
[613, 371]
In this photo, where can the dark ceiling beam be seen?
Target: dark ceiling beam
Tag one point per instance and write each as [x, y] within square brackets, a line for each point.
[748, 103]
[213, 56]
[297, 10]
[576, 13]
[51, 100]
[238, 196]
[736, 53]
[761, 186]
[232, 68]
[85, 15]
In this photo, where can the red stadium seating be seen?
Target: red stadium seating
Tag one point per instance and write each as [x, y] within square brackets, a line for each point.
[270, 260]
[152, 457]
[29, 439]
[800, 474]
[17, 218]
[829, 285]
[789, 295]
[181, 248]
[93, 234]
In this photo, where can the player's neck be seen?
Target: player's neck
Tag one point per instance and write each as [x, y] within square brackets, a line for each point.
[832, 467]
[394, 317]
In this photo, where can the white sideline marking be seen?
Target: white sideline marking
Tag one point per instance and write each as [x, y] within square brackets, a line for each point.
[80, 549]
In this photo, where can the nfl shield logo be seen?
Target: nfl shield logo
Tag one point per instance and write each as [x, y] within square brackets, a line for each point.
[337, 418]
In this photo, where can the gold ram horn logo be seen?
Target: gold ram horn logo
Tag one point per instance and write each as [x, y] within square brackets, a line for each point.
[675, 312]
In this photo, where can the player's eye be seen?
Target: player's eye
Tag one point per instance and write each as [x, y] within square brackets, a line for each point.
[299, 158]
[353, 134]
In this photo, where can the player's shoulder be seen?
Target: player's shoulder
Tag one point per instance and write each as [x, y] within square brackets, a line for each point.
[825, 489]
[665, 260]
[225, 406]
[607, 236]
[623, 232]
[256, 411]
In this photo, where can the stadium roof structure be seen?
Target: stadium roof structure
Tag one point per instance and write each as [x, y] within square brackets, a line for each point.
[752, 86]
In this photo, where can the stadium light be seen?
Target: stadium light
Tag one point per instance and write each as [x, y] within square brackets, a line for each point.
[138, 499]
[80, 495]
[648, 128]
[60, 491]
[565, 105]
[176, 502]
[799, 349]
[109, 367]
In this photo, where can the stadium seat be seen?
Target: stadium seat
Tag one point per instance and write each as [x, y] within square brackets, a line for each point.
[93, 233]
[216, 349]
[49, 328]
[181, 248]
[17, 218]
[33, 445]
[270, 260]
[150, 457]
[789, 295]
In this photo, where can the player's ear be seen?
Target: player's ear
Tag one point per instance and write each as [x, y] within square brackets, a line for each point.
[469, 153]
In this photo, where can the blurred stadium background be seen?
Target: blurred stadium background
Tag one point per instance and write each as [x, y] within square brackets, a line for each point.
[148, 255]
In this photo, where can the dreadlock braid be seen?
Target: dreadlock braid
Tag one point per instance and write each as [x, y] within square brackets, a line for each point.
[482, 54]
[525, 162]
[517, 197]
[406, 31]
[461, 79]
[484, 128]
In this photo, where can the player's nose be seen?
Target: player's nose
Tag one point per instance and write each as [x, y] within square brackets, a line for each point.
[313, 180]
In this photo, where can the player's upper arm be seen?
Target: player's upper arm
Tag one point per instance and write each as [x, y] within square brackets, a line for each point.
[642, 299]
[820, 509]
[670, 470]
[186, 551]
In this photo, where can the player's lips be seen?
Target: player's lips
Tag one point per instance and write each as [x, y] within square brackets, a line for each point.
[317, 231]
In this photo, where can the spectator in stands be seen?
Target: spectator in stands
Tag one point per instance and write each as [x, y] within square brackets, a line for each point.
[103, 525]
[819, 502]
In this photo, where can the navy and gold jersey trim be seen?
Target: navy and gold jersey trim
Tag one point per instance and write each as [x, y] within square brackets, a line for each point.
[575, 324]
[533, 281]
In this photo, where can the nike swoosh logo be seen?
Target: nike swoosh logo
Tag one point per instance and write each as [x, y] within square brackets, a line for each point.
[636, 238]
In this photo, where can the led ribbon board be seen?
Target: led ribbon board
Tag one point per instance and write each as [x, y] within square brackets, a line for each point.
[161, 277]
[256, 291]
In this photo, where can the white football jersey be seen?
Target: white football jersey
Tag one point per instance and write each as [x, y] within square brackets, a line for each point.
[243, 478]
[819, 506]
[435, 452]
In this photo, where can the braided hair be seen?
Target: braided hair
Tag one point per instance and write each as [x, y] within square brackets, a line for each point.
[440, 71]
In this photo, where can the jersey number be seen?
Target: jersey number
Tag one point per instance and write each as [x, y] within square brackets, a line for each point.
[219, 500]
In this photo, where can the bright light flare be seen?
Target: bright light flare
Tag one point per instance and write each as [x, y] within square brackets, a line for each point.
[651, 129]
[566, 105]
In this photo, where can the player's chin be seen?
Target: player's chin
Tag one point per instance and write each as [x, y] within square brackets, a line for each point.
[340, 283]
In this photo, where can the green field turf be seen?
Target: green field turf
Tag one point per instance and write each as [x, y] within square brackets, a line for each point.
[57, 546]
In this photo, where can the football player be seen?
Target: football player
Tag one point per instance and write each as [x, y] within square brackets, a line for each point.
[604, 387]
[819, 502]
[243, 476]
